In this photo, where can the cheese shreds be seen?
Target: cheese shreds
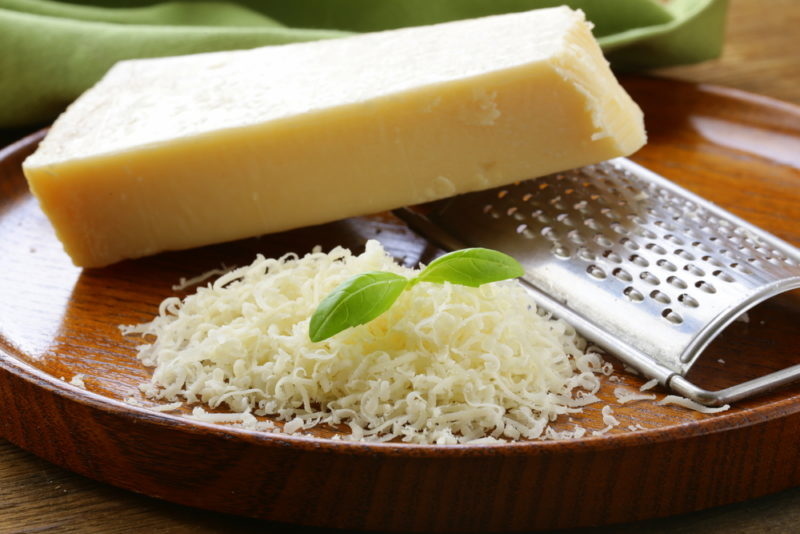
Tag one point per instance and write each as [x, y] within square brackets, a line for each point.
[166, 407]
[183, 283]
[608, 416]
[77, 381]
[625, 395]
[446, 364]
[650, 384]
[608, 419]
[691, 405]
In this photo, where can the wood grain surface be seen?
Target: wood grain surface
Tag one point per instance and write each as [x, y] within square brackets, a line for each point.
[35, 496]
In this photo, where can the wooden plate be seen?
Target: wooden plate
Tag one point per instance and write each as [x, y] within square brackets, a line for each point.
[739, 150]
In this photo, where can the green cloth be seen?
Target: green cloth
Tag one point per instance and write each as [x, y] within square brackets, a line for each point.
[50, 52]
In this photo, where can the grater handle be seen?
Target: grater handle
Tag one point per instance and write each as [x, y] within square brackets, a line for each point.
[757, 386]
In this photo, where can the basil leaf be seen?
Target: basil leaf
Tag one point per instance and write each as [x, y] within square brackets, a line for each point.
[471, 267]
[358, 300]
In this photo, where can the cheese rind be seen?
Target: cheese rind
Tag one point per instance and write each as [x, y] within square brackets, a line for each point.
[174, 153]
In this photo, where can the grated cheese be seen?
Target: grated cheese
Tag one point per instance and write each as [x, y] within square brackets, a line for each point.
[166, 407]
[608, 416]
[183, 283]
[650, 384]
[446, 364]
[692, 405]
[625, 395]
[77, 381]
[608, 419]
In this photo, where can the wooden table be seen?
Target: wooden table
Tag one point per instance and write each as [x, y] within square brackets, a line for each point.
[36, 496]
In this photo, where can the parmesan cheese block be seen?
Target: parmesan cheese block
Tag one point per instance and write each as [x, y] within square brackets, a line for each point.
[173, 153]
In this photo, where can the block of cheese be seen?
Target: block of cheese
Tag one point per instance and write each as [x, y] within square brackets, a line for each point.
[173, 153]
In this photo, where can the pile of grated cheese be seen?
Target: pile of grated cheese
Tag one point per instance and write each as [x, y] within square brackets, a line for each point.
[446, 364]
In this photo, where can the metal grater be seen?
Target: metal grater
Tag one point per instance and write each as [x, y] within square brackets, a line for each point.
[644, 268]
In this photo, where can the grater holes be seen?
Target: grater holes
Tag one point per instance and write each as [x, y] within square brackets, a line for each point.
[722, 275]
[694, 269]
[564, 219]
[669, 228]
[629, 243]
[586, 254]
[701, 246]
[612, 256]
[735, 239]
[655, 247]
[687, 300]
[667, 265]
[677, 282]
[636, 219]
[591, 223]
[712, 261]
[561, 252]
[702, 285]
[618, 228]
[633, 294]
[674, 239]
[540, 216]
[650, 278]
[638, 260]
[581, 206]
[527, 197]
[549, 233]
[609, 213]
[690, 232]
[777, 254]
[510, 212]
[671, 316]
[683, 254]
[660, 296]
[502, 193]
[575, 237]
[526, 232]
[622, 274]
[603, 241]
[596, 272]
[644, 232]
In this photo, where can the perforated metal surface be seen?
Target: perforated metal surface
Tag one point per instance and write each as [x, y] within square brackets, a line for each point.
[639, 258]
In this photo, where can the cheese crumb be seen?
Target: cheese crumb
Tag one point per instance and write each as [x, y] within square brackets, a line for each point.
[691, 405]
[446, 364]
[77, 381]
[625, 395]
[183, 283]
[650, 384]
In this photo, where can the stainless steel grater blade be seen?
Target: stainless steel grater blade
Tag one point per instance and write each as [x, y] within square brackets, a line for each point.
[644, 268]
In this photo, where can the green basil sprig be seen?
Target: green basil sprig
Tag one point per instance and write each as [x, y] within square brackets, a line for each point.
[363, 297]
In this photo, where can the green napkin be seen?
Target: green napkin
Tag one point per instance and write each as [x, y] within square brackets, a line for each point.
[51, 51]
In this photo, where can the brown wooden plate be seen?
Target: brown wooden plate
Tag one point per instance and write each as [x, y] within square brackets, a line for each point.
[739, 150]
